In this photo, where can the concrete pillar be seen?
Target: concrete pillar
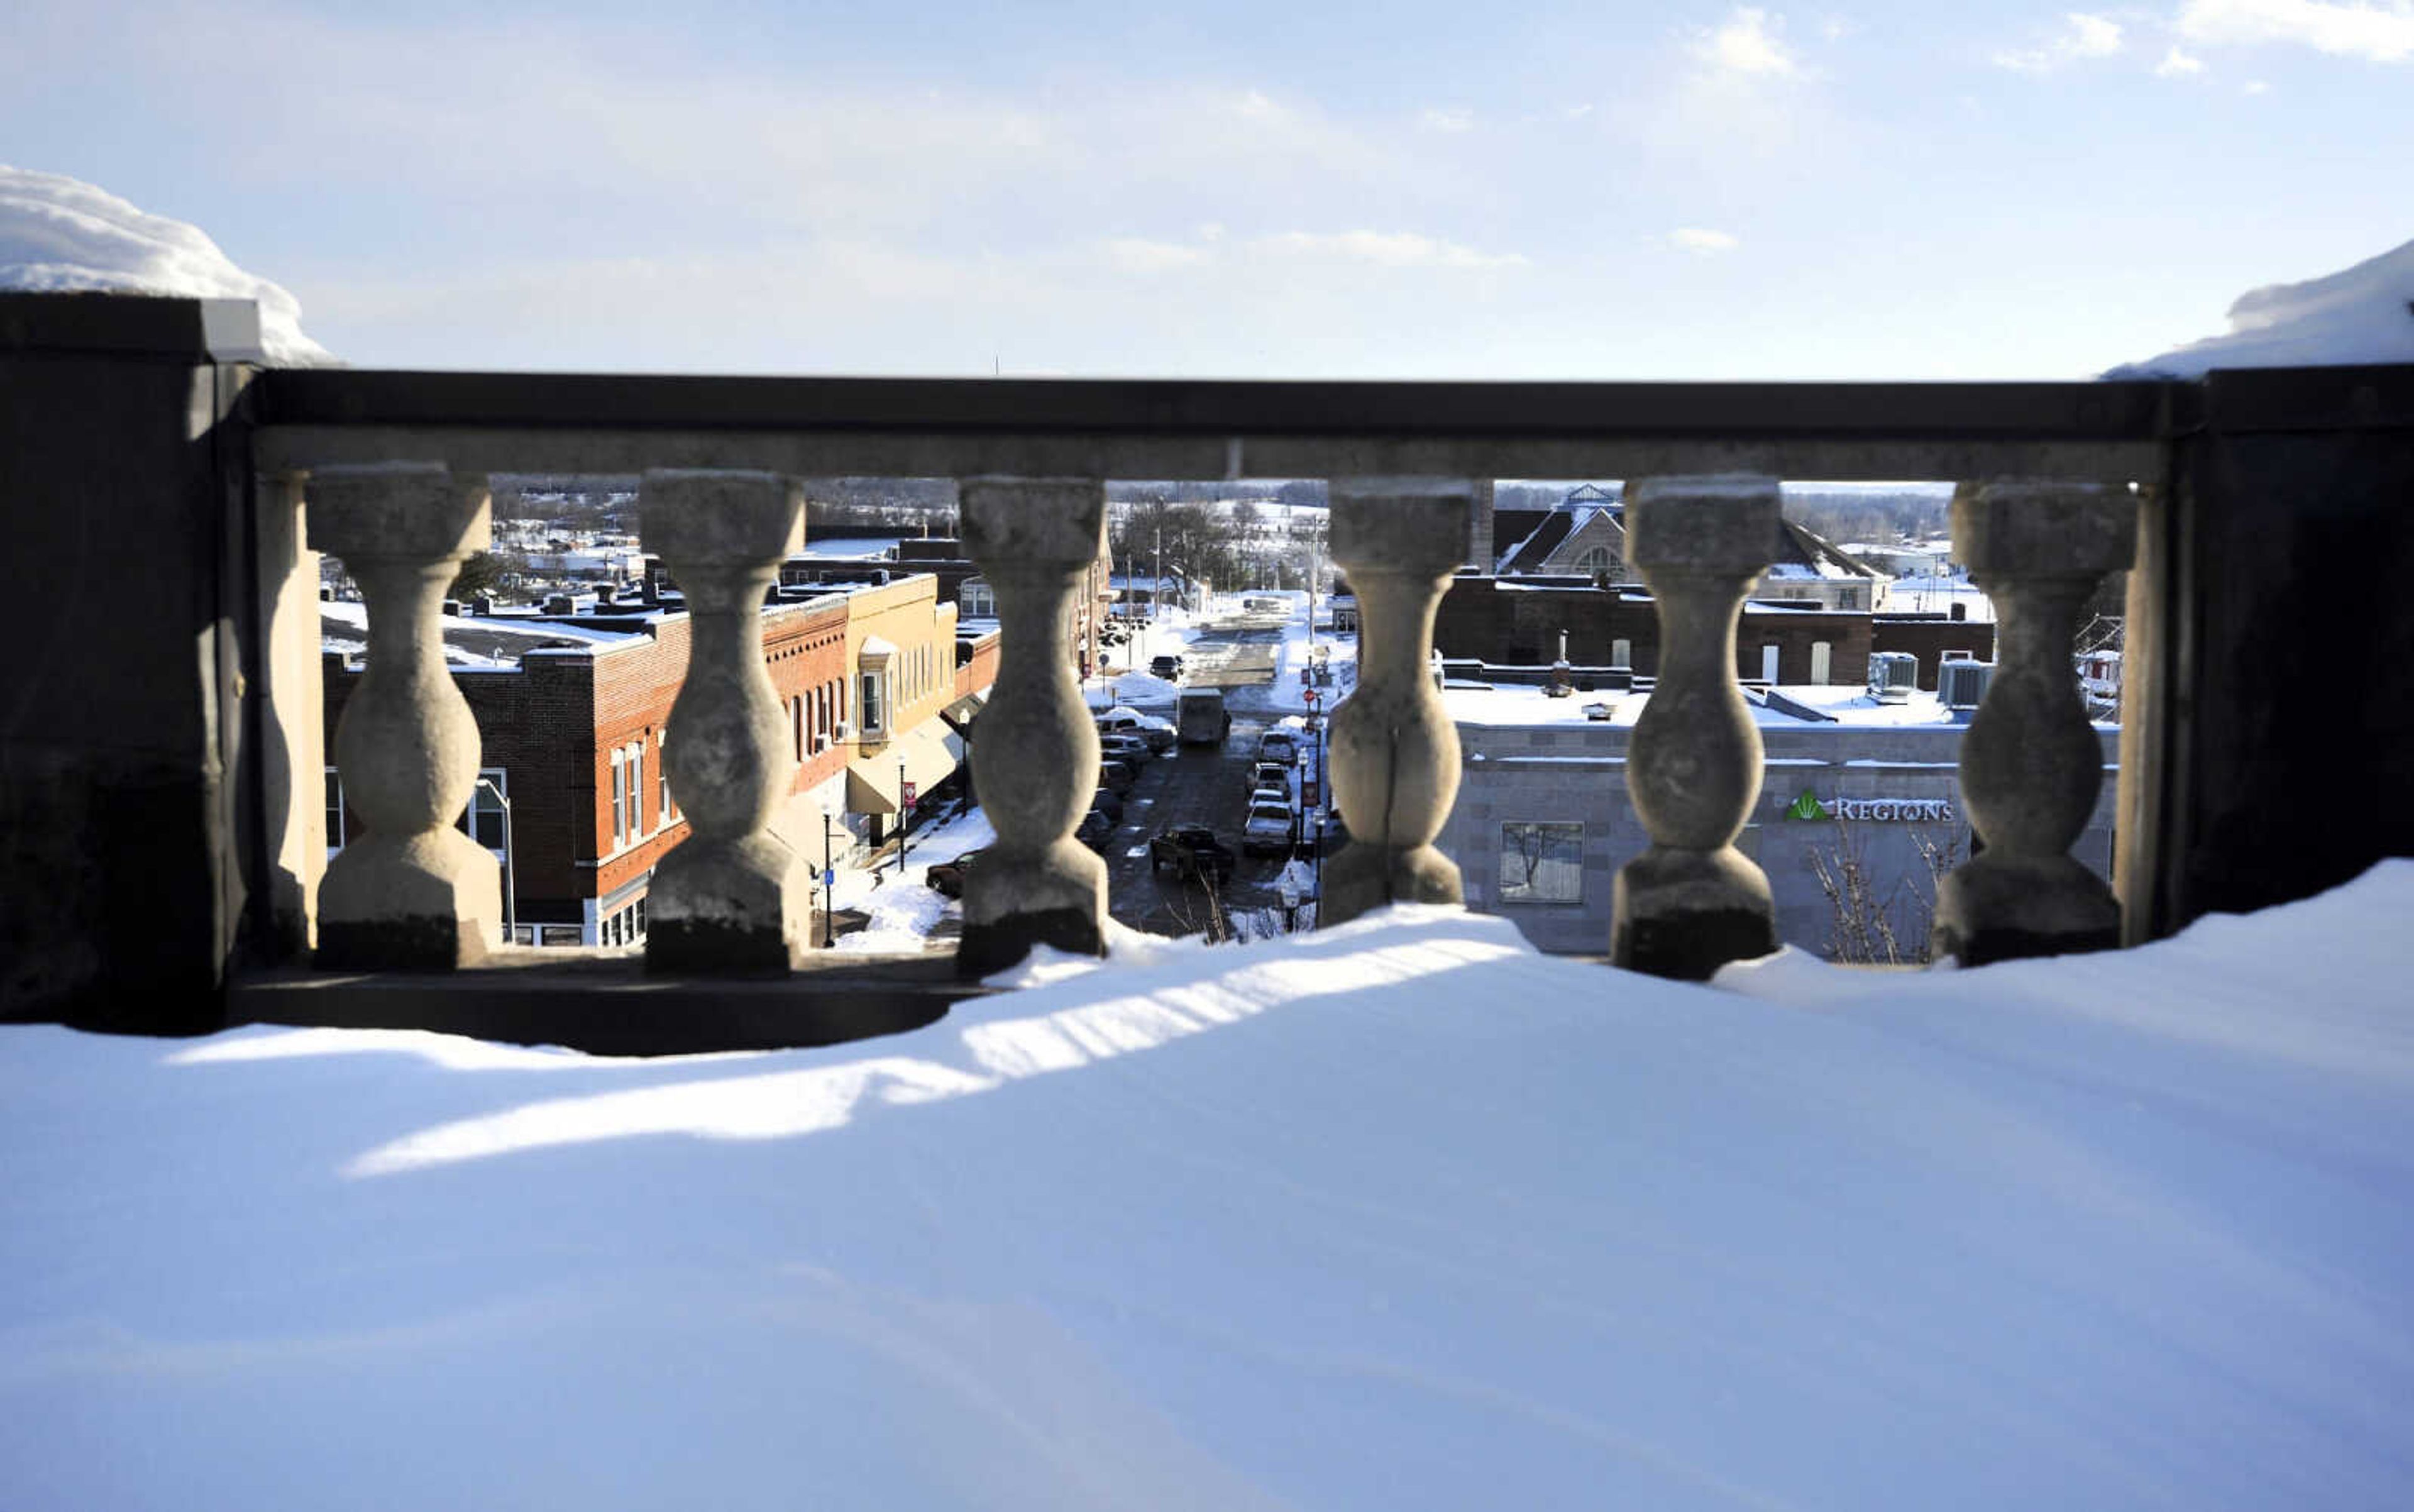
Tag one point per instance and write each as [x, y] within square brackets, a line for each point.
[1394, 752]
[1035, 753]
[412, 893]
[1692, 902]
[2030, 766]
[732, 899]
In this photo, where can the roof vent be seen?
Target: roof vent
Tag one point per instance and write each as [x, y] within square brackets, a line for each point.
[1893, 675]
[1963, 685]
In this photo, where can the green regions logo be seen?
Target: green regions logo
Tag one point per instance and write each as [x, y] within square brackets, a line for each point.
[1808, 807]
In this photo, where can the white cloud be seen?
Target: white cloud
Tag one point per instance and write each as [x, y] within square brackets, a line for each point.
[2176, 62]
[1748, 44]
[2083, 36]
[2383, 34]
[1137, 254]
[2255, 87]
[1385, 248]
[1457, 118]
[1706, 243]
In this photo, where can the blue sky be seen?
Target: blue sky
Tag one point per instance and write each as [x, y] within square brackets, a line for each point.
[1868, 191]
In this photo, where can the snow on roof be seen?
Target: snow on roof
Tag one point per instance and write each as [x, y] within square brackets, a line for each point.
[62, 235]
[2363, 314]
[1399, 1214]
[485, 641]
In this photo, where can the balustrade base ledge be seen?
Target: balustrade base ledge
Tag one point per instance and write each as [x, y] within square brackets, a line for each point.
[425, 943]
[1683, 914]
[1003, 942]
[1367, 876]
[712, 947]
[1996, 907]
[728, 907]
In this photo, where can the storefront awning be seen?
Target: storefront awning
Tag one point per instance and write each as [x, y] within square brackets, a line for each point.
[871, 781]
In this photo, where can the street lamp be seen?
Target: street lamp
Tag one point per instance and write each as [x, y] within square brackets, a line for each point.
[905, 796]
[829, 888]
[511, 891]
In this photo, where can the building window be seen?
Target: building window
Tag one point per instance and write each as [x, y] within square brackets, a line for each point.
[334, 812]
[1621, 653]
[870, 700]
[662, 775]
[637, 788]
[619, 796]
[1541, 862]
[1822, 661]
[1596, 559]
[796, 723]
[484, 818]
[1768, 663]
[977, 601]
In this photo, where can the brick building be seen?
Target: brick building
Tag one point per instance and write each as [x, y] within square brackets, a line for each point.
[573, 714]
[1932, 639]
[1518, 621]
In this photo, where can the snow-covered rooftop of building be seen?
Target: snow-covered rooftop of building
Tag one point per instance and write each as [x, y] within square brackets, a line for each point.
[850, 549]
[62, 235]
[1400, 1214]
[2361, 314]
[1849, 707]
[484, 641]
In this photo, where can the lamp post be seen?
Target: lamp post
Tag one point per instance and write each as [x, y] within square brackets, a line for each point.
[511, 892]
[829, 888]
[904, 798]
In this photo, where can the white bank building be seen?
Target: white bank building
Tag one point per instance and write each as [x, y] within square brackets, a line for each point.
[1858, 812]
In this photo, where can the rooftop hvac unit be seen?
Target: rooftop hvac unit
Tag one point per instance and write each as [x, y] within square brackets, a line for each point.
[1963, 684]
[1894, 676]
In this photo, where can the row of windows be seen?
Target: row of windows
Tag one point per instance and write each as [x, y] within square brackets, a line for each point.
[627, 927]
[813, 716]
[629, 790]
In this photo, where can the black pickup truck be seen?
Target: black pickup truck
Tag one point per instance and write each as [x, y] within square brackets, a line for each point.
[1192, 850]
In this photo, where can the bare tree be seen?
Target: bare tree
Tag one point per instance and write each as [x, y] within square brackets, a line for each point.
[1876, 920]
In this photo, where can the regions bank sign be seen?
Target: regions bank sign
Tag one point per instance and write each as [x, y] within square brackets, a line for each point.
[1897, 810]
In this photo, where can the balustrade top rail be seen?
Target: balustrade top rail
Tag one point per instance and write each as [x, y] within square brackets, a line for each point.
[2113, 432]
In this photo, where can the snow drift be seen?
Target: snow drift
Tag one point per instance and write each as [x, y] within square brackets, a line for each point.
[2364, 314]
[62, 235]
[1399, 1215]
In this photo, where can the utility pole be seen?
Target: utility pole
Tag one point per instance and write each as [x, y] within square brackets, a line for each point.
[829, 888]
[1157, 592]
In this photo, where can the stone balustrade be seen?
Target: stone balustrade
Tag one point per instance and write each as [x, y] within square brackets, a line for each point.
[1692, 902]
[732, 898]
[2030, 766]
[1394, 751]
[1035, 755]
[411, 892]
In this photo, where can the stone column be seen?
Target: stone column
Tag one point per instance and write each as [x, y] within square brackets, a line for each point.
[1692, 902]
[413, 892]
[2030, 765]
[1035, 753]
[1394, 752]
[732, 899]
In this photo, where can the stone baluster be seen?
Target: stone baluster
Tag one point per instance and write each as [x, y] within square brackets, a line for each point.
[1035, 753]
[732, 899]
[1692, 902]
[412, 893]
[2030, 765]
[1394, 752]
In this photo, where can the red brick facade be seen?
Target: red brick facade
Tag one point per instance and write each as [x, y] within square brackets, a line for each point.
[1929, 639]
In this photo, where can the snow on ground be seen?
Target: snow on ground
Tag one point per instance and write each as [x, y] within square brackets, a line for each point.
[902, 907]
[1398, 1215]
[62, 235]
[2363, 314]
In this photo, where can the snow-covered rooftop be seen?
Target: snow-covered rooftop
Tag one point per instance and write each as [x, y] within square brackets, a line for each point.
[62, 235]
[1849, 707]
[1400, 1215]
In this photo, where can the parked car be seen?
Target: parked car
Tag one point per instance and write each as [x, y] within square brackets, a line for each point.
[1192, 850]
[1270, 774]
[948, 877]
[1109, 802]
[1271, 794]
[1269, 831]
[1158, 733]
[1094, 830]
[1116, 775]
[1130, 750]
[1167, 668]
[1278, 744]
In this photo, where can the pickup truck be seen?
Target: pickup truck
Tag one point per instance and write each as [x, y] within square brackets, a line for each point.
[1192, 850]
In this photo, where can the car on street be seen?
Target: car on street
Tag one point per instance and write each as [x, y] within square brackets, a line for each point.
[1094, 830]
[947, 876]
[1270, 774]
[1278, 744]
[1269, 831]
[1193, 850]
[1130, 750]
[1116, 775]
[1271, 794]
[1109, 802]
[1167, 668]
[1120, 720]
